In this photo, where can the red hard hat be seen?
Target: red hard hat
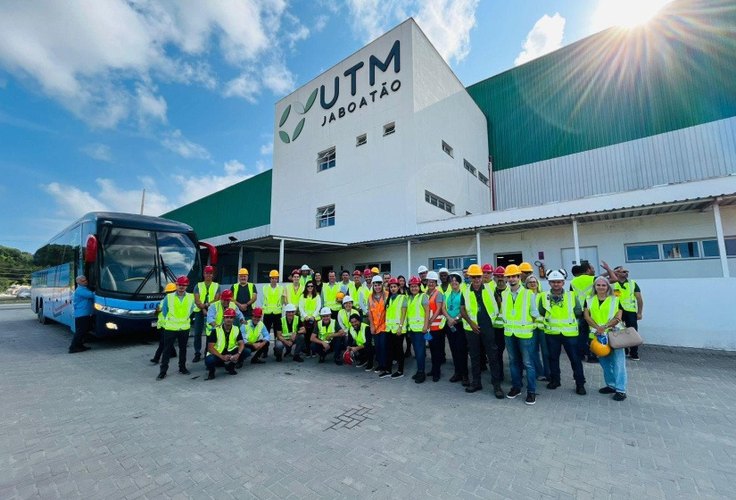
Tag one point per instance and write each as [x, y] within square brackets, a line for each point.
[357, 273]
[499, 271]
[227, 295]
[367, 272]
[487, 268]
[347, 358]
[182, 280]
[229, 313]
[209, 269]
[257, 312]
[414, 280]
[295, 271]
[393, 281]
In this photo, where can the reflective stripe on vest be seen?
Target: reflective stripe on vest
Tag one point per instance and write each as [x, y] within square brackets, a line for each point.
[581, 290]
[393, 313]
[560, 318]
[236, 288]
[439, 322]
[179, 311]
[324, 331]
[287, 332]
[330, 296]
[232, 342]
[516, 313]
[602, 313]
[253, 333]
[472, 307]
[626, 296]
[272, 299]
[206, 294]
[415, 313]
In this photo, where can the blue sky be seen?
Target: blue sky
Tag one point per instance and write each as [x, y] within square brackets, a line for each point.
[100, 99]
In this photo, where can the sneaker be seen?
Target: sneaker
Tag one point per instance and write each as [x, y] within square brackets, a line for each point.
[378, 369]
[553, 384]
[397, 375]
[161, 376]
[455, 378]
[369, 368]
[542, 379]
[466, 381]
[531, 398]
[498, 392]
[580, 390]
[384, 374]
[154, 361]
[210, 375]
[298, 358]
[515, 391]
[606, 390]
[633, 357]
[435, 378]
[619, 396]
[197, 358]
[421, 377]
[184, 371]
[473, 388]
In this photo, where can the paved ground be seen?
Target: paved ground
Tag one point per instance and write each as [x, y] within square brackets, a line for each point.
[97, 425]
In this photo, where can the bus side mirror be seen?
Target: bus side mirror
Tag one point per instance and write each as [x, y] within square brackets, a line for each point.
[212, 250]
[90, 250]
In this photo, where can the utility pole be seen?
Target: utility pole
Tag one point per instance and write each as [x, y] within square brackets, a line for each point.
[143, 200]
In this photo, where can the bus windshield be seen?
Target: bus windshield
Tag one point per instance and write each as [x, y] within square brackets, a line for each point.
[140, 261]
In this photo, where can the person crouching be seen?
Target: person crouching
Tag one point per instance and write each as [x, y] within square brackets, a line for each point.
[327, 338]
[257, 339]
[224, 346]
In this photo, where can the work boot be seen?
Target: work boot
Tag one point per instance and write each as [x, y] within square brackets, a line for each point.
[420, 378]
[455, 378]
[473, 388]
[230, 369]
[161, 376]
[197, 358]
[154, 361]
[210, 375]
[256, 361]
[184, 371]
[554, 384]
[466, 382]
[580, 390]
[278, 355]
[298, 358]
[498, 392]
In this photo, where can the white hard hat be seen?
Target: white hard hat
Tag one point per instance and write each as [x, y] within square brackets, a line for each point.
[443, 270]
[347, 298]
[375, 279]
[431, 275]
[289, 308]
[422, 269]
[325, 311]
[305, 268]
[556, 275]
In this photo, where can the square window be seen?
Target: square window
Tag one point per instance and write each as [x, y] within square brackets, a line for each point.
[326, 159]
[389, 128]
[642, 252]
[361, 139]
[710, 248]
[326, 216]
[447, 149]
[681, 250]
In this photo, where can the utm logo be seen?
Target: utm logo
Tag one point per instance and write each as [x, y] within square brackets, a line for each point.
[299, 109]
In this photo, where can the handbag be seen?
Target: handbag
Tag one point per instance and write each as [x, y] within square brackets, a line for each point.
[627, 337]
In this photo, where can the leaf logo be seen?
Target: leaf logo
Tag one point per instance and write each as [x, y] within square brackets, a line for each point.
[299, 109]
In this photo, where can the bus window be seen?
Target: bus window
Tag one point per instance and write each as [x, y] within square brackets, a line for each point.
[178, 256]
[128, 261]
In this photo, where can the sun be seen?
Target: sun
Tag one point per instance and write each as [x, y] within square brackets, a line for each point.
[624, 13]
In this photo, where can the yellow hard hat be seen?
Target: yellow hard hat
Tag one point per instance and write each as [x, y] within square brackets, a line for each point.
[475, 270]
[273, 274]
[600, 350]
[525, 267]
[512, 270]
[340, 296]
[243, 271]
[170, 287]
[375, 270]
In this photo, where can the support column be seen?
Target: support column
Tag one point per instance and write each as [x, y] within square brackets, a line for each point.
[477, 247]
[576, 242]
[721, 240]
[240, 257]
[408, 259]
[281, 260]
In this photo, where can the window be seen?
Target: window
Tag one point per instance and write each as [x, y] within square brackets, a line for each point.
[326, 159]
[447, 149]
[642, 252]
[483, 178]
[504, 259]
[681, 250]
[438, 202]
[468, 166]
[678, 250]
[710, 248]
[360, 140]
[453, 264]
[326, 216]
[385, 267]
[389, 128]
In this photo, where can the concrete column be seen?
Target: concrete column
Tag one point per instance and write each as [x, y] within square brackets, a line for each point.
[721, 240]
[575, 241]
[408, 259]
[281, 260]
[477, 247]
[240, 257]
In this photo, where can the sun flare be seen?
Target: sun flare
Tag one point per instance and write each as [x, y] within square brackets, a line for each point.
[625, 13]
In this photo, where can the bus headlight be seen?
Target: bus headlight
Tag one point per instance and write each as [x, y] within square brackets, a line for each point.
[110, 310]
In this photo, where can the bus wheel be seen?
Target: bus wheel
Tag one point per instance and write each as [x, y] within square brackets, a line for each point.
[41, 318]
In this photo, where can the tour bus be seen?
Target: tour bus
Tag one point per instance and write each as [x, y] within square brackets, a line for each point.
[128, 260]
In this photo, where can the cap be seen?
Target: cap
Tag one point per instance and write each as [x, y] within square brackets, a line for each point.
[257, 312]
[170, 287]
[376, 279]
[227, 295]
[487, 268]
[443, 270]
[229, 313]
[305, 268]
[325, 311]
[209, 269]
[182, 281]
[422, 269]
[243, 271]
[347, 299]
[289, 308]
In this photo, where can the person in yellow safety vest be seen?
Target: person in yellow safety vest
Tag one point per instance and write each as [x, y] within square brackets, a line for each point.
[244, 293]
[603, 313]
[305, 275]
[541, 362]
[422, 272]
[329, 294]
[454, 331]
[310, 302]
[273, 301]
[356, 342]
[225, 345]
[354, 289]
[160, 324]
[444, 284]
[215, 313]
[479, 310]
[395, 321]
[377, 337]
[365, 291]
[417, 311]
[345, 282]
[582, 285]
[526, 271]
[488, 278]
[290, 335]
[632, 303]
[177, 309]
[293, 292]
[256, 337]
[560, 310]
[500, 285]
[343, 315]
[327, 337]
[205, 293]
[435, 324]
[519, 312]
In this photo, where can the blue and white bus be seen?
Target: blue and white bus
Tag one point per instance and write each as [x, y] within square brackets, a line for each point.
[128, 260]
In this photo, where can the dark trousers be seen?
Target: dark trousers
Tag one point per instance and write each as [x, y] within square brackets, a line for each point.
[251, 349]
[171, 337]
[337, 347]
[583, 338]
[271, 322]
[555, 343]
[459, 349]
[437, 350]
[297, 345]
[630, 321]
[198, 324]
[82, 326]
[395, 352]
[211, 361]
[160, 349]
[500, 338]
[368, 351]
[380, 341]
[487, 339]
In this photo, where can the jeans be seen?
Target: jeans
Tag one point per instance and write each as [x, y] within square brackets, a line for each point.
[614, 370]
[368, 350]
[417, 340]
[211, 361]
[555, 343]
[630, 320]
[487, 339]
[297, 346]
[380, 340]
[583, 338]
[459, 350]
[337, 346]
[197, 327]
[171, 337]
[251, 349]
[522, 351]
[541, 366]
[437, 351]
[395, 352]
[500, 338]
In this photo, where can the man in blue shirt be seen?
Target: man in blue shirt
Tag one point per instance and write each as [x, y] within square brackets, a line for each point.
[84, 300]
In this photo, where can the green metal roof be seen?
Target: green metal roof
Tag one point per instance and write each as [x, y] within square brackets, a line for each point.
[244, 205]
[616, 86]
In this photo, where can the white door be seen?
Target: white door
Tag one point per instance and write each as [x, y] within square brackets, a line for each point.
[586, 253]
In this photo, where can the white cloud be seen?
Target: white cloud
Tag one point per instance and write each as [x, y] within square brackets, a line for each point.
[267, 149]
[447, 23]
[196, 187]
[244, 86]
[176, 142]
[545, 36]
[278, 79]
[150, 105]
[319, 23]
[99, 152]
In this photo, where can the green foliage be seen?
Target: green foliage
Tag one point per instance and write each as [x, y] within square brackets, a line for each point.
[15, 267]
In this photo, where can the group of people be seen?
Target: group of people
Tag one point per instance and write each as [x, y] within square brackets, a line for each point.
[367, 318]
